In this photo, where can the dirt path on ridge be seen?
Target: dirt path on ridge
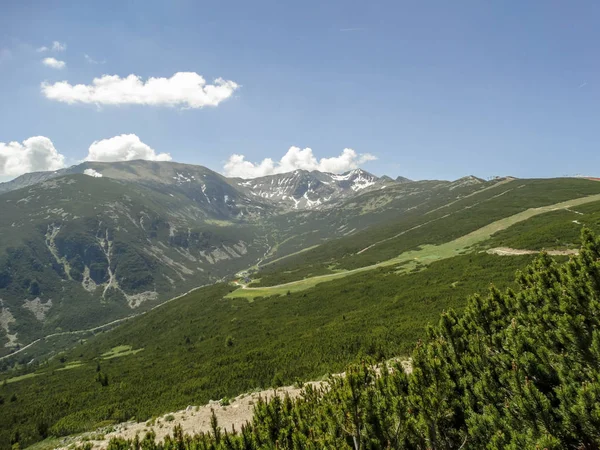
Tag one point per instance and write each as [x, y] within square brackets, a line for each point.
[507, 251]
[196, 419]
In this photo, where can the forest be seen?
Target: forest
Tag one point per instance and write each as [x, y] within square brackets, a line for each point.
[205, 347]
[516, 369]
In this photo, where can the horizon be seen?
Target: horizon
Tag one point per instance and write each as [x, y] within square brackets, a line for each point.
[488, 178]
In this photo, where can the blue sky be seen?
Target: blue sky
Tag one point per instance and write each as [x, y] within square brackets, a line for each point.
[431, 89]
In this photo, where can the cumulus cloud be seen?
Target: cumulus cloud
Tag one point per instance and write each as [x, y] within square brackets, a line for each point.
[125, 147]
[54, 63]
[186, 89]
[295, 158]
[33, 155]
[55, 47]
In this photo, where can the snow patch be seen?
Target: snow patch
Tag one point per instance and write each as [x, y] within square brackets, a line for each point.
[181, 178]
[92, 173]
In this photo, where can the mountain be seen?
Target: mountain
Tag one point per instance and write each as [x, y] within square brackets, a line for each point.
[97, 242]
[212, 193]
[403, 255]
[302, 189]
[76, 251]
[79, 250]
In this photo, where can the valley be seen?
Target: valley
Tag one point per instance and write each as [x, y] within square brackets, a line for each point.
[121, 331]
[98, 242]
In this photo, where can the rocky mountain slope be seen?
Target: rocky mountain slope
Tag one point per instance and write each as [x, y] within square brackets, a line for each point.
[79, 250]
[302, 189]
[99, 241]
[221, 340]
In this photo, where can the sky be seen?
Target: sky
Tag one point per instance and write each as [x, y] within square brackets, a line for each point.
[425, 90]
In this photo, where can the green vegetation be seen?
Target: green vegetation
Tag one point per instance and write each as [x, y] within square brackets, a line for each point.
[71, 365]
[552, 230]
[120, 350]
[407, 255]
[22, 377]
[424, 255]
[277, 340]
[515, 370]
[431, 227]
[61, 240]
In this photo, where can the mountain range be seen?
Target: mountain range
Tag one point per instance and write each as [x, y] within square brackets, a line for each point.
[100, 241]
[133, 289]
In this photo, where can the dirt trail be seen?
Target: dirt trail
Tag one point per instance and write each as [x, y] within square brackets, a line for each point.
[193, 419]
[196, 419]
[506, 251]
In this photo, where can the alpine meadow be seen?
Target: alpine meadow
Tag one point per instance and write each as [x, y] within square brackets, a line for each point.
[299, 225]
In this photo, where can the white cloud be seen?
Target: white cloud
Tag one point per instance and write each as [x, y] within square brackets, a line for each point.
[54, 63]
[56, 47]
[91, 60]
[295, 158]
[33, 155]
[92, 173]
[125, 147]
[187, 89]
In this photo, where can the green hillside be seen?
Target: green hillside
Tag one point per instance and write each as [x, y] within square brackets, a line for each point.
[516, 370]
[553, 230]
[431, 227]
[206, 347]
[427, 248]
[77, 251]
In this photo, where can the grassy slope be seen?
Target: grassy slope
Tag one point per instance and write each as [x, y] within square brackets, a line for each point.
[553, 230]
[277, 339]
[438, 227]
[424, 255]
[296, 231]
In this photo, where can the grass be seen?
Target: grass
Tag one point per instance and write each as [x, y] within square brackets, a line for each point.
[291, 254]
[22, 377]
[50, 443]
[219, 223]
[559, 230]
[119, 351]
[435, 220]
[71, 365]
[425, 255]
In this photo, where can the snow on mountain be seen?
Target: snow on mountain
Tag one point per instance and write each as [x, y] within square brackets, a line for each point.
[302, 189]
[297, 190]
